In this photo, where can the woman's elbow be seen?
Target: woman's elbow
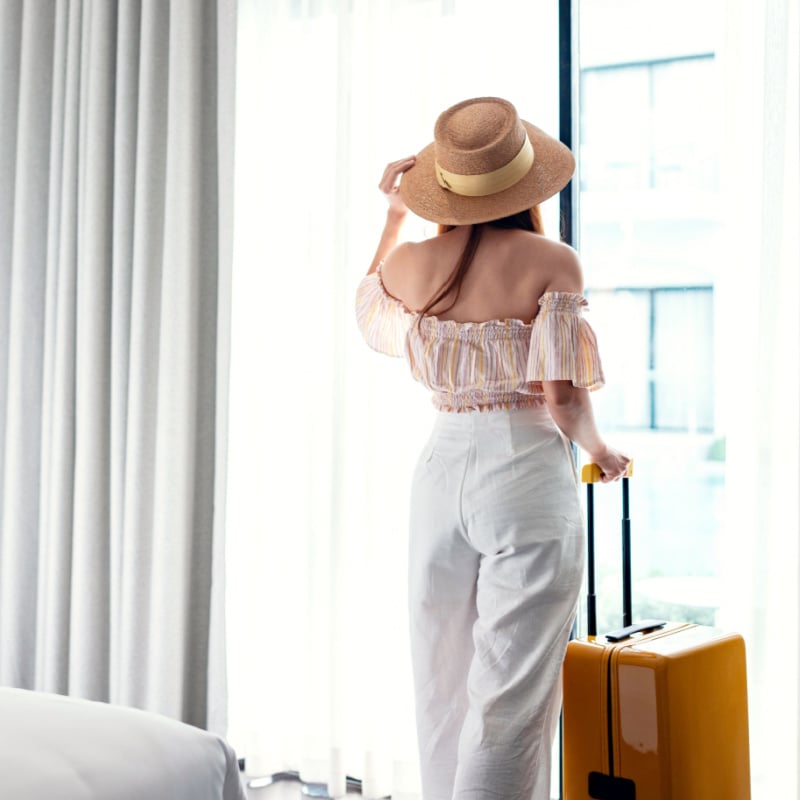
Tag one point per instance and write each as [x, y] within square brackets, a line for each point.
[562, 394]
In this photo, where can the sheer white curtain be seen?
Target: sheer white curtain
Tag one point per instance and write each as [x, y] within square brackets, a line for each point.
[762, 372]
[114, 240]
[324, 433]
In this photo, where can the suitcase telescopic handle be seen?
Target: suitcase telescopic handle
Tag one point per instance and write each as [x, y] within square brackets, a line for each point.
[591, 474]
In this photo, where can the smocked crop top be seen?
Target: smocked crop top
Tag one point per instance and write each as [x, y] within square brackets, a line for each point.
[480, 366]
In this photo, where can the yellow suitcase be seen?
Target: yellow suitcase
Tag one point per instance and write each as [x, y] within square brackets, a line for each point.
[653, 711]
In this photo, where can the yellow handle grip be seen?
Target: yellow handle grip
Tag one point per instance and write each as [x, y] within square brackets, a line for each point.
[590, 473]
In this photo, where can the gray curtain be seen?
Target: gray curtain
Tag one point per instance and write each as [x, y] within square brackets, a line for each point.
[114, 249]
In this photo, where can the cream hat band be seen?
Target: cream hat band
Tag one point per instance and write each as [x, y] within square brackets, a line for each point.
[488, 182]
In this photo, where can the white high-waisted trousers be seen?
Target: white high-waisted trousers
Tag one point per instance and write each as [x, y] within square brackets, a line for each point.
[495, 567]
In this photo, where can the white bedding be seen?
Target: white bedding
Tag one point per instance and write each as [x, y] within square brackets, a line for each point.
[61, 748]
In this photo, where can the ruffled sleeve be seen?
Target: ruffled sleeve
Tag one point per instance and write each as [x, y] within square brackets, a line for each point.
[563, 345]
[382, 319]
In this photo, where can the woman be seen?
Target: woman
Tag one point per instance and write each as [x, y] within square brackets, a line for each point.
[488, 314]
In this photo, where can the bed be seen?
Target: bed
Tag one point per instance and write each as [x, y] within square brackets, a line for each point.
[62, 748]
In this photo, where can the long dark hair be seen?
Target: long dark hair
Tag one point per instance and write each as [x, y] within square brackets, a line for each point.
[528, 220]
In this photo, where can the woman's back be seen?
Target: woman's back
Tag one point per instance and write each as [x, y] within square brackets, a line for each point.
[510, 271]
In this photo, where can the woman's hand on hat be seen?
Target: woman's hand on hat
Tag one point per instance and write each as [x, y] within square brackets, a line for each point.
[390, 184]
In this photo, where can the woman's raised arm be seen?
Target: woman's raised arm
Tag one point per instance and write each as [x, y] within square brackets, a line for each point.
[397, 211]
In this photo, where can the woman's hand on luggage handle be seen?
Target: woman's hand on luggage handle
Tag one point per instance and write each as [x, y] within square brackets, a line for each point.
[612, 463]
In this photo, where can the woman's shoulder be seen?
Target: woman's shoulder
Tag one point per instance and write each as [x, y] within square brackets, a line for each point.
[553, 265]
[407, 273]
[566, 272]
[540, 245]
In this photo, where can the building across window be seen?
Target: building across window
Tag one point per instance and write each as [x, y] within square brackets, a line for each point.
[642, 129]
[662, 362]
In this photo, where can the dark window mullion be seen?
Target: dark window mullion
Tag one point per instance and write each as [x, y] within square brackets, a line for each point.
[567, 102]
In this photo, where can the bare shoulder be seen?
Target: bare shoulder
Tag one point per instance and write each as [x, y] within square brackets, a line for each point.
[402, 260]
[556, 264]
[396, 257]
[400, 272]
[565, 273]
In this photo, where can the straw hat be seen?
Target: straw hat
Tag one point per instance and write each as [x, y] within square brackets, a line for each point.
[484, 163]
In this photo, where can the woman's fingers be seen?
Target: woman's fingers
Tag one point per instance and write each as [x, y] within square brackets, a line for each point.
[613, 466]
[390, 182]
[400, 165]
[393, 171]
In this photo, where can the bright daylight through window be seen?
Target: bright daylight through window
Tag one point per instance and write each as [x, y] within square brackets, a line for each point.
[649, 232]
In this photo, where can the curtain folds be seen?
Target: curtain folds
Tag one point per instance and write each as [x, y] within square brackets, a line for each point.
[111, 263]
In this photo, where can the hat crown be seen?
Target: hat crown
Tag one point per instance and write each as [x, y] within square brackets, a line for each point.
[478, 136]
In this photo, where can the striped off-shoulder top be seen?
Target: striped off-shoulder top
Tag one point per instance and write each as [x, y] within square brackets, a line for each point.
[480, 366]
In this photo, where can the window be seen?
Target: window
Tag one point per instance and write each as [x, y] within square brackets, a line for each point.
[664, 143]
[649, 229]
[662, 359]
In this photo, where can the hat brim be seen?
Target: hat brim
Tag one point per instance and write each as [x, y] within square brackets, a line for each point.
[553, 166]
